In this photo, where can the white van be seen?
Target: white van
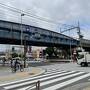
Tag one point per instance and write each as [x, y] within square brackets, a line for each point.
[83, 58]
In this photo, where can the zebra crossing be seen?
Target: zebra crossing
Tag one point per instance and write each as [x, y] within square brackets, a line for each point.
[52, 79]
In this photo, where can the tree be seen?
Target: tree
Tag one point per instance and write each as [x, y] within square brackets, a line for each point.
[55, 52]
[49, 51]
[52, 52]
[21, 55]
[14, 55]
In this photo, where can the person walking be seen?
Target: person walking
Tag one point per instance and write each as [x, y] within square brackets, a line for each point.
[4, 60]
[13, 65]
[17, 65]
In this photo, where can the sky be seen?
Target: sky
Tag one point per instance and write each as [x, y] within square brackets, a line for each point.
[57, 12]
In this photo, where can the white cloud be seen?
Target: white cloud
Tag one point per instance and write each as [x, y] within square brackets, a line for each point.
[64, 11]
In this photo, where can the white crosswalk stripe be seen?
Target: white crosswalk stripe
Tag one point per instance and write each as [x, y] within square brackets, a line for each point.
[28, 82]
[53, 79]
[33, 78]
[66, 82]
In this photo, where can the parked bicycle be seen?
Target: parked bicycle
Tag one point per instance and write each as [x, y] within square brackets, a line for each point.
[16, 65]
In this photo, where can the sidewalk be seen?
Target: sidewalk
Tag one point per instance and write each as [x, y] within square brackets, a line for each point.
[6, 74]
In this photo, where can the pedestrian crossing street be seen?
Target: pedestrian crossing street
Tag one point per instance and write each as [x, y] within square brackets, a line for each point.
[52, 79]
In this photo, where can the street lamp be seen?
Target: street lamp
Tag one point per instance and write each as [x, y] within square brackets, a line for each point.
[21, 29]
[21, 33]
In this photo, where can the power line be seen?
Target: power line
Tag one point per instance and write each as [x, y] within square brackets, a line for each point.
[15, 16]
[14, 9]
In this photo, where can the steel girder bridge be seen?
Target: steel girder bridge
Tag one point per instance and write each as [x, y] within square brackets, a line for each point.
[10, 33]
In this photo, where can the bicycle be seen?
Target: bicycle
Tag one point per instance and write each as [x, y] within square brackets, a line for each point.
[17, 67]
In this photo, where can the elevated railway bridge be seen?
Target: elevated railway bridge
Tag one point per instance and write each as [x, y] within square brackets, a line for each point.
[10, 33]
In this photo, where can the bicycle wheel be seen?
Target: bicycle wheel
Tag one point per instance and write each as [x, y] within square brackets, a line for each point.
[21, 68]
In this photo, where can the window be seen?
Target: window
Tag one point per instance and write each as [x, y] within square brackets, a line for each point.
[80, 56]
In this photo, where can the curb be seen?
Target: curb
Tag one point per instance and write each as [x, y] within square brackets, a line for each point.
[43, 71]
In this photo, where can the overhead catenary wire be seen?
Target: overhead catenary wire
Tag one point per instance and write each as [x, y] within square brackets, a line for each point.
[11, 15]
[14, 9]
[29, 14]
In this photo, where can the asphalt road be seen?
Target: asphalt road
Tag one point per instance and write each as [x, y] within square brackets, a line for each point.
[71, 67]
[58, 76]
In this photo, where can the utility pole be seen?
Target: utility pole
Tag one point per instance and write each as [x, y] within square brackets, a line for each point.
[21, 30]
[21, 34]
[25, 50]
[80, 36]
[60, 30]
[70, 46]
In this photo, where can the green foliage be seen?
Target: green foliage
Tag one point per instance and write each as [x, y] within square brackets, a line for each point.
[53, 52]
[49, 51]
[14, 55]
[21, 55]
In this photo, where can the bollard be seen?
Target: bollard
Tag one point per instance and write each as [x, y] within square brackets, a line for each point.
[38, 85]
